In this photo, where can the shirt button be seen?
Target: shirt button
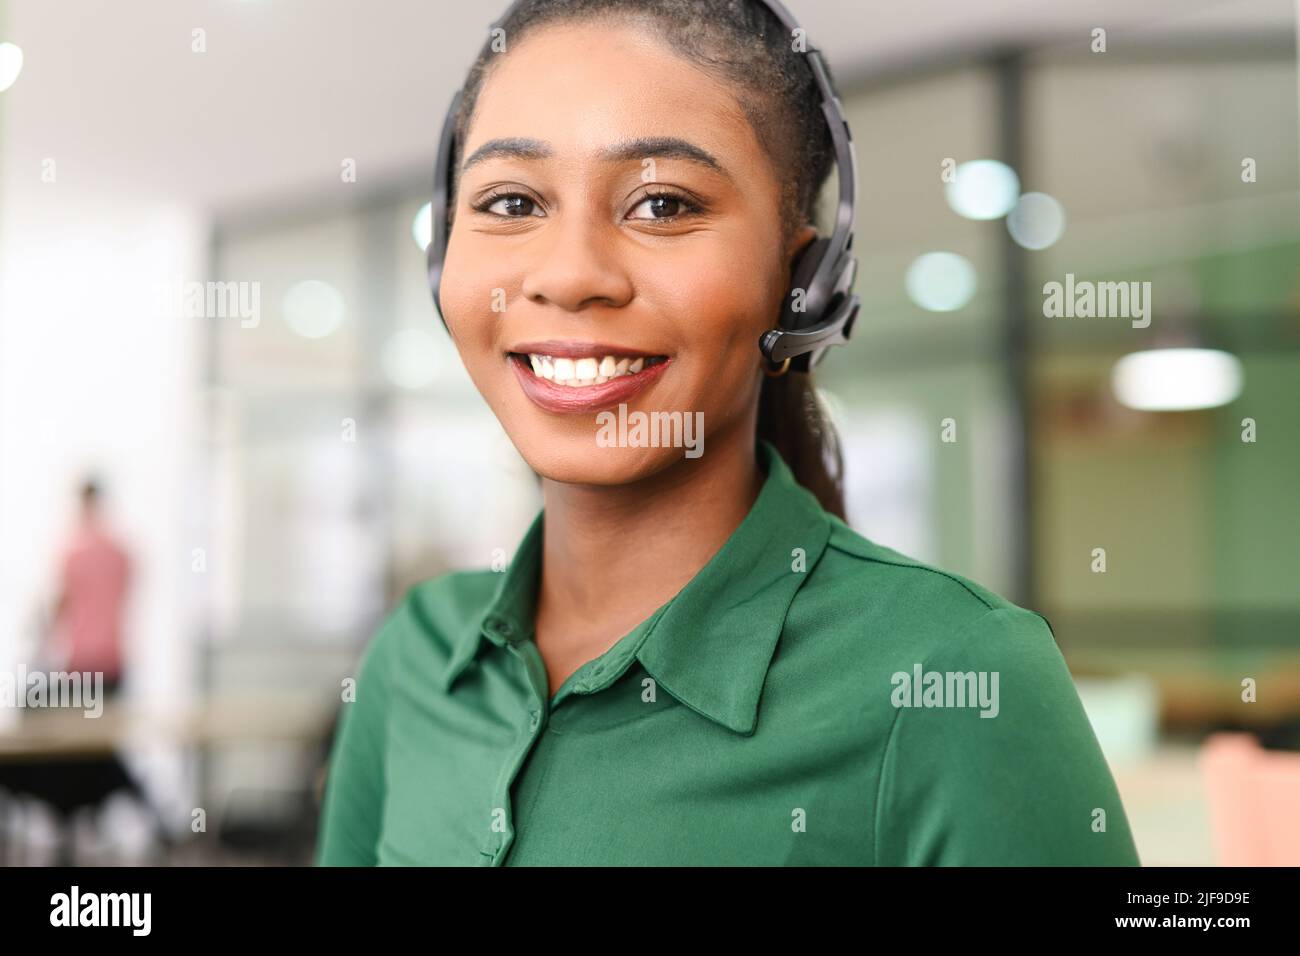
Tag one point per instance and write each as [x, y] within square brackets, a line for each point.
[534, 718]
[498, 625]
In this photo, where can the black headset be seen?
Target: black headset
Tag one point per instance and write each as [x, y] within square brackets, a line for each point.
[819, 307]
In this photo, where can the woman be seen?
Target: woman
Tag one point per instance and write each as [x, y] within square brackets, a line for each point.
[691, 658]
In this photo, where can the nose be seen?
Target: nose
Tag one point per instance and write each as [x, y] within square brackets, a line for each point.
[577, 266]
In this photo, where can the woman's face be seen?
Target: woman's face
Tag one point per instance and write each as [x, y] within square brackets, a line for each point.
[617, 241]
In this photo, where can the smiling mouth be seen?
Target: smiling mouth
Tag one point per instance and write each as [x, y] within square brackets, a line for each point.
[585, 371]
[583, 377]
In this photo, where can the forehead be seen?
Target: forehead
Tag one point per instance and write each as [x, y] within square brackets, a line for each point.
[580, 86]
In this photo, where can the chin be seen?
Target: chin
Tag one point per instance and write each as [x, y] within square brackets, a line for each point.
[579, 460]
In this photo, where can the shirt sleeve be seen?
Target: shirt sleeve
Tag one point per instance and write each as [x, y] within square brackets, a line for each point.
[1025, 786]
[353, 805]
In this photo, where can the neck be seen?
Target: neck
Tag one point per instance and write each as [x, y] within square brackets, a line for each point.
[611, 555]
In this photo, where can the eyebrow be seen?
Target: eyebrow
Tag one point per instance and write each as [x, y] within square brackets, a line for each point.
[661, 147]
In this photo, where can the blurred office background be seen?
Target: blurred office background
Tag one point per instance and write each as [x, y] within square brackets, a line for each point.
[280, 483]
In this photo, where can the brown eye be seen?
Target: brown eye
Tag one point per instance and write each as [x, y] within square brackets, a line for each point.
[509, 205]
[663, 206]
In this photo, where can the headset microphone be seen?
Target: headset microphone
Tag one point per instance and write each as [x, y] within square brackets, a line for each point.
[819, 308]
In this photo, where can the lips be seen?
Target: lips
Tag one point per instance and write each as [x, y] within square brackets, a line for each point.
[581, 376]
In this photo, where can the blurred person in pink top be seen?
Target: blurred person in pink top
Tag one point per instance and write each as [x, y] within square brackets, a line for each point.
[95, 576]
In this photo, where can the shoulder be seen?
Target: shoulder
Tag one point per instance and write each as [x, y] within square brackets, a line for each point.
[861, 556]
[430, 620]
[976, 710]
[902, 605]
[448, 603]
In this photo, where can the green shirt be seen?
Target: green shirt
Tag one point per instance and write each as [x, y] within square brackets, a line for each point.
[810, 697]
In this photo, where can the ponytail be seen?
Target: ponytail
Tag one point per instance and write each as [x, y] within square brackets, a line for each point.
[792, 418]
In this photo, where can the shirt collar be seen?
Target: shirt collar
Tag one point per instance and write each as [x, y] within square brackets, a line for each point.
[711, 645]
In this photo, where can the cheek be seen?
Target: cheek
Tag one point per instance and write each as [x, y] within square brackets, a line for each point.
[727, 288]
[720, 304]
[467, 298]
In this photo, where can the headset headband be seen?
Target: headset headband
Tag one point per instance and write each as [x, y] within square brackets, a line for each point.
[819, 308]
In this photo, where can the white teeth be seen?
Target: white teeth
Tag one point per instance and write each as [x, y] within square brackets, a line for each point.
[576, 373]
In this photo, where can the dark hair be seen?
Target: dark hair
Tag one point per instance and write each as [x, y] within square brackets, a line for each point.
[89, 490]
[742, 43]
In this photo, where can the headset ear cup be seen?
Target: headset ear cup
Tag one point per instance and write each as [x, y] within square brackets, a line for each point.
[440, 225]
[802, 271]
[435, 280]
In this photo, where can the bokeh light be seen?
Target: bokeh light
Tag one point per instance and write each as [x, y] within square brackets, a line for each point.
[983, 189]
[941, 281]
[1037, 222]
[313, 308]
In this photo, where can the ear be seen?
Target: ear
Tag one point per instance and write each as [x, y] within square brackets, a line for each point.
[799, 241]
